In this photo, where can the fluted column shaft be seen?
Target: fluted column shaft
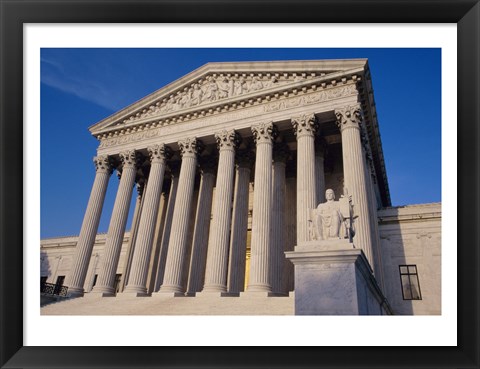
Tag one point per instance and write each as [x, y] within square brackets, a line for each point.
[305, 127]
[320, 173]
[157, 241]
[377, 255]
[349, 120]
[177, 246]
[133, 235]
[116, 230]
[238, 239]
[167, 228]
[259, 279]
[83, 251]
[196, 275]
[91, 276]
[278, 231]
[291, 234]
[137, 282]
[217, 256]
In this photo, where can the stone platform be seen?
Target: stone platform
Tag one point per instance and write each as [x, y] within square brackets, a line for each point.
[166, 305]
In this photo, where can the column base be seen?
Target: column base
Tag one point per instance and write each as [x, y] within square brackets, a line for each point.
[255, 294]
[216, 294]
[334, 278]
[75, 292]
[103, 291]
[140, 290]
[97, 295]
[127, 294]
[167, 294]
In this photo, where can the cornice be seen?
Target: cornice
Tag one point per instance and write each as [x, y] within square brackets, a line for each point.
[320, 67]
[151, 114]
[331, 87]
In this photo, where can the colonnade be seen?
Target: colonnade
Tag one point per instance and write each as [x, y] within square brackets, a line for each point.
[218, 245]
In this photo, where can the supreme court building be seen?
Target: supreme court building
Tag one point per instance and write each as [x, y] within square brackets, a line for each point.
[228, 165]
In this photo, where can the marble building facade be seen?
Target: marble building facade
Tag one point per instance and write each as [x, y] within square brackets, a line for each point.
[227, 164]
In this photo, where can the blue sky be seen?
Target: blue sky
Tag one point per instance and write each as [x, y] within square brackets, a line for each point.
[79, 87]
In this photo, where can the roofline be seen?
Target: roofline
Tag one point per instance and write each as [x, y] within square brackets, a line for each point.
[285, 65]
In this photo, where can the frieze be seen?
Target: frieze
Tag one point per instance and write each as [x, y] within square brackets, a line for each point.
[214, 88]
[316, 97]
[165, 128]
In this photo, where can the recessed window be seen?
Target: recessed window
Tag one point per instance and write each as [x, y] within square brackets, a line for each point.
[410, 283]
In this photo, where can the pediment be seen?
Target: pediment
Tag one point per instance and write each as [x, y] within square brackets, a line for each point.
[217, 84]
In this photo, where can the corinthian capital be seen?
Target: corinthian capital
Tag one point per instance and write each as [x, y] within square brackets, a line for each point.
[159, 153]
[103, 164]
[227, 139]
[130, 158]
[348, 117]
[305, 124]
[264, 132]
[190, 146]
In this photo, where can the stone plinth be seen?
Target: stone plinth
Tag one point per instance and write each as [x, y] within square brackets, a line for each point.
[334, 278]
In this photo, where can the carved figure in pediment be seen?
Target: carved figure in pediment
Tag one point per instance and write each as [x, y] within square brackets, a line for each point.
[256, 84]
[273, 80]
[211, 90]
[223, 88]
[239, 86]
[185, 100]
[197, 94]
[168, 107]
[176, 102]
[299, 78]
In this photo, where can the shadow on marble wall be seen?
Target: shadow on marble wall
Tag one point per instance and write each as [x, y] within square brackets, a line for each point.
[393, 255]
[45, 270]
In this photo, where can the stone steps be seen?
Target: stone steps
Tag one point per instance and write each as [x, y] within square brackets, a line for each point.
[167, 305]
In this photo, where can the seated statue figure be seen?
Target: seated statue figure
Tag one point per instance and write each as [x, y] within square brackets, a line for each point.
[332, 219]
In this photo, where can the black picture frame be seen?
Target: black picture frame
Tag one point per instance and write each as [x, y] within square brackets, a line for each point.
[15, 13]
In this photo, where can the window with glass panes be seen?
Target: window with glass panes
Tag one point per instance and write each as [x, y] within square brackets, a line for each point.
[410, 282]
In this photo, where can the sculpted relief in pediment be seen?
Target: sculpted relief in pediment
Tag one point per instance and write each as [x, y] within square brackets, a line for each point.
[217, 87]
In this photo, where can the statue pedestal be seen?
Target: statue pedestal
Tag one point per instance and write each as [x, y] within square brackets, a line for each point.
[333, 278]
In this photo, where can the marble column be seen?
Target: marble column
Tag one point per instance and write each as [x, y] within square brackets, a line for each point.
[259, 279]
[191, 228]
[349, 120]
[91, 275]
[291, 229]
[218, 244]
[377, 255]
[320, 148]
[278, 231]
[133, 234]
[196, 275]
[116, 230]
[154, 259]
[137, 282]
[177, 246]
[305, 127]
[165, 236]
[83, 251]
[238, 238]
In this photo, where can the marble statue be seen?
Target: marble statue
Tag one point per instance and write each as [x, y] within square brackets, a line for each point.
[332, 219]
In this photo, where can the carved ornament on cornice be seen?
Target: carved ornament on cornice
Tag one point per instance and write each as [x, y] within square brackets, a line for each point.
[154, 117]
